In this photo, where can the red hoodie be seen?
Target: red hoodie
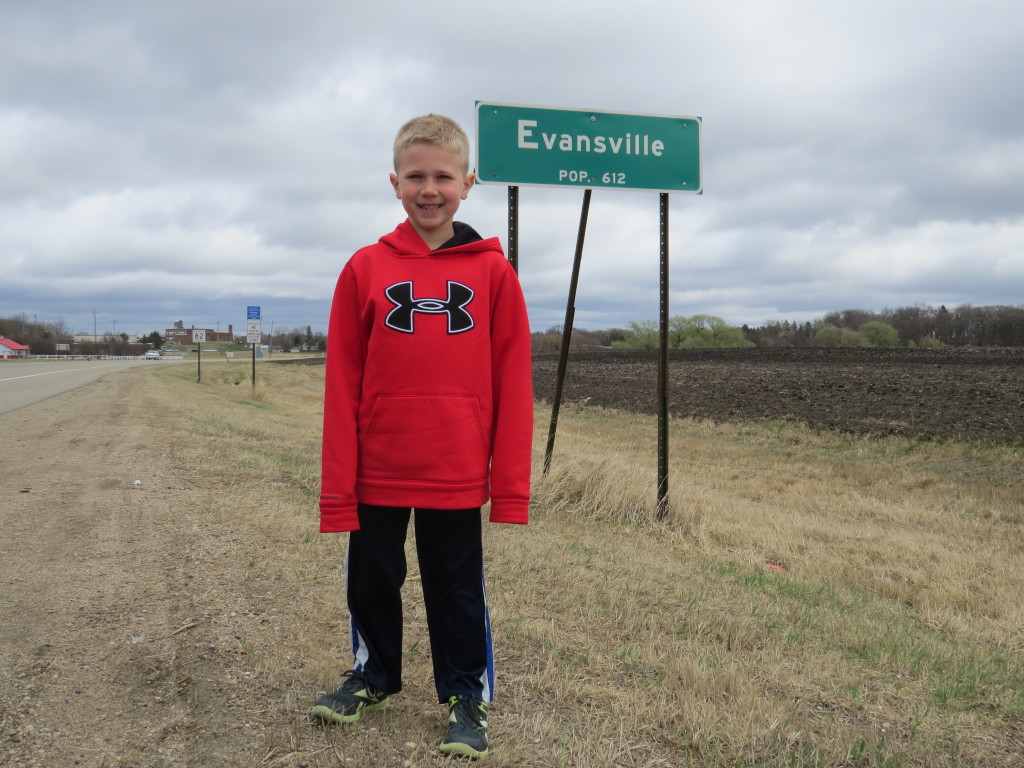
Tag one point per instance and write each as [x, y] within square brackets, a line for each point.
[428, 398]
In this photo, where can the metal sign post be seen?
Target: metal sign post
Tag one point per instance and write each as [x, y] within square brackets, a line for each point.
[570, 314]
[663, 362]
[558, 147]
[253, 334]
[513, 228]
[198, 337]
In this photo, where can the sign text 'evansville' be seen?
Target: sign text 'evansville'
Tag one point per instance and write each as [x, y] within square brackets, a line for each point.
[547, 146]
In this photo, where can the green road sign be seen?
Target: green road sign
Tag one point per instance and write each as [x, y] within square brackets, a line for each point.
[552, 147]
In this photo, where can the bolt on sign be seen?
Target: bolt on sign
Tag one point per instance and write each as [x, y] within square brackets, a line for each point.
[558, 147]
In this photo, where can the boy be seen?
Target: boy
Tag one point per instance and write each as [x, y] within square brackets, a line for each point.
[428, 405]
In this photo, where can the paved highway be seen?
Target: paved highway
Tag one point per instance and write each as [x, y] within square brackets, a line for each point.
[23, 382]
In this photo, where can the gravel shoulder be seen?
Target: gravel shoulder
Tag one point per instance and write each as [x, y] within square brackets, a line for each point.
[104, 623]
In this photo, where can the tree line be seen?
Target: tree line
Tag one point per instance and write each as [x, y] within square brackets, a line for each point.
[303, 340]
[43, 337]
[40, 338]
[918, 326]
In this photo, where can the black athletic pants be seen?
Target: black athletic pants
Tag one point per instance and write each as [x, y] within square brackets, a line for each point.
[449, 547]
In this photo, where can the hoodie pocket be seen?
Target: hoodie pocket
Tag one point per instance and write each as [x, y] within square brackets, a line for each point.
[436, 438]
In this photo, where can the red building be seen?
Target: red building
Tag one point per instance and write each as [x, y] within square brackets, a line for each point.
[11, 348]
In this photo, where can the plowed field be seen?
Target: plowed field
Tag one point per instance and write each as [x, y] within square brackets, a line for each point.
[958, 393]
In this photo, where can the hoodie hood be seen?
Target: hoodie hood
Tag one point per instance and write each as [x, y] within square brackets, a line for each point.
[406, 241]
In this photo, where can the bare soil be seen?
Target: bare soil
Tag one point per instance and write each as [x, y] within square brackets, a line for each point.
[950, 393]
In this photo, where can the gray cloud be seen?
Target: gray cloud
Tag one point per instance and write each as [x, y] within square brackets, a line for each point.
[180, 162]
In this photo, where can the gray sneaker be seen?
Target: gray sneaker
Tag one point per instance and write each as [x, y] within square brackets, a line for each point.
[467, 727]
[347, 704]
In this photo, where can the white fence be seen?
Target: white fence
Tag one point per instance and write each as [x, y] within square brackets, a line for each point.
[90, 357]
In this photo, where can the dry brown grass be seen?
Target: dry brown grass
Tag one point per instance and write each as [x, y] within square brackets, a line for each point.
[813, 599]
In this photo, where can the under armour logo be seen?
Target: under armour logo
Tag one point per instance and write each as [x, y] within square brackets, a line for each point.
[401, 317]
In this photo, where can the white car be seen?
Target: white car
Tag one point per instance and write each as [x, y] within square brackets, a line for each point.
[152, 355]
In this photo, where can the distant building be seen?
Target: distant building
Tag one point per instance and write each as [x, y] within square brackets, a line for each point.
[11, 348]
[180, 335]
[101, 338]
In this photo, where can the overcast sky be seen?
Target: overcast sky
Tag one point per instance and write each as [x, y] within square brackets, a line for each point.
[181, 161]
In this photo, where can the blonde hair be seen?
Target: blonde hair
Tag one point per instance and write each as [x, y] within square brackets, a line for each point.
[434, 129]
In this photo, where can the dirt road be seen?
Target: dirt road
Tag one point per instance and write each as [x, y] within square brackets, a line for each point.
[98, 595]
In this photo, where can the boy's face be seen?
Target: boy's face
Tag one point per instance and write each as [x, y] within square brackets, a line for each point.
[431, 182]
